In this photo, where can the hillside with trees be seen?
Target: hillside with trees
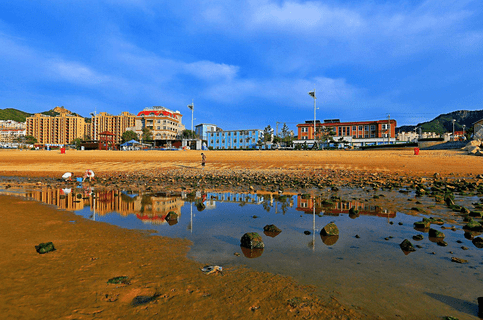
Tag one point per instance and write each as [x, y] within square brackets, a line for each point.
[13, 114]
[444, 122]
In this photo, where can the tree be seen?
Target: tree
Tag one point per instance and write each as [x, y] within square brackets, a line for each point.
[323, 133]
[188, 134]
[267, 134]
[147, 134]
[128, 136]
[76, 142]
[30, 139]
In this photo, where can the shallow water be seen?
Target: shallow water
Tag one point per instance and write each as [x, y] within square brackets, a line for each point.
[369, 271]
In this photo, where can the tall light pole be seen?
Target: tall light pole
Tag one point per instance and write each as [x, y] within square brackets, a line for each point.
[192, 107]
[312, 94]
[94, 124]
[454, 120]
[464, 126]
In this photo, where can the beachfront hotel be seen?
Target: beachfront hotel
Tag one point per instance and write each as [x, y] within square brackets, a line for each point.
[355, 134]
[164, 124]
[116, 125]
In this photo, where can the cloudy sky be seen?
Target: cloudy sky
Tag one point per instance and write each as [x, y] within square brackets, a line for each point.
[245, 64]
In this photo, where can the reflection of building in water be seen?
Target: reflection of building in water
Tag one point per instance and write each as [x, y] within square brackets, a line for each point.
[248, 198]
[340, 207]
[67, 198]
[148, 208]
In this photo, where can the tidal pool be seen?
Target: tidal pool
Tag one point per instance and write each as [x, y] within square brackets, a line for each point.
[363, 268]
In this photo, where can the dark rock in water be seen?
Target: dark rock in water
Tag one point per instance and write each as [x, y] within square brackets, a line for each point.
[476, 214]
[119, 280]
[478, 242]
[252, 240]
[353, 211]
[418, 237]
[271, 228]
[422, 224]
[418, 246]
[458, 260]
[251, 253]
[172, 216]
[330, 230]
[473, 225]
[442, 243]
[200, 206]
[45, 247]
[464, 248]
[329, 240]
[434, 221]
[435, 233]
[406, 245]
[358, 236]
[306, 232]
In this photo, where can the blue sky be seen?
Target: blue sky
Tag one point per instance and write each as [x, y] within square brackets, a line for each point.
[246, 64]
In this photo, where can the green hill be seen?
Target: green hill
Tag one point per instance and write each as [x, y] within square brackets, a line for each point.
[444, 122]
[13, 114]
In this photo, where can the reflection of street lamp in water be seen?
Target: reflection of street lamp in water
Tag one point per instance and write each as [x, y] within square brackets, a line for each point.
[312, 243]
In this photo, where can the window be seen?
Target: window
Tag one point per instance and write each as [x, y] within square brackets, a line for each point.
[340, 131]
[304, 130]
[354, 128]
[366, 128]
[373, 127]
[386, 126]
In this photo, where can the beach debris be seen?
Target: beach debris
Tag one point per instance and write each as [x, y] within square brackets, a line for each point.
[458, 260]
[330, 230]
[212, 269]
[252, 240]
[45, 247]
[407, 246]
[119, 280]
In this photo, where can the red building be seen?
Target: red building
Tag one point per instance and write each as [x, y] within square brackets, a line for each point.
[356, 133]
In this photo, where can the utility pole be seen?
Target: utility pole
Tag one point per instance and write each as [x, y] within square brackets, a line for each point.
[388, 128]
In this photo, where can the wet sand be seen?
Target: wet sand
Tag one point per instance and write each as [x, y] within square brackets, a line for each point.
[71, 282]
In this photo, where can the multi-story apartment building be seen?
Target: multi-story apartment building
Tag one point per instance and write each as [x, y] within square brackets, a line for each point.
[58, 130]
[234, 139]
[202, 130]
[104, 121]
[163, 123]
[359, 133]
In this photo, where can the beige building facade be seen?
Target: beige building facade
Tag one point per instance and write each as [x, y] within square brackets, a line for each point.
[163, 123]
[106, 122]
[61, 129]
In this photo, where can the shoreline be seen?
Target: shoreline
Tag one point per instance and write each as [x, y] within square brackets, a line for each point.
[71, 282]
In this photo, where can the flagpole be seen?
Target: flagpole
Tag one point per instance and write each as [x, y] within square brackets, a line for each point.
[315, 99]
[192, 111]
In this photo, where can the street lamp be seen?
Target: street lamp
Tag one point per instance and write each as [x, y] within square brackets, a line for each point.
[454, 120]
[192, 107]
[464, 126]
[312, 94]
[93, 114]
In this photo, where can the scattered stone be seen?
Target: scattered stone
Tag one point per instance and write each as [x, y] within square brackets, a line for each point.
[306, 232]
[442, 243]
[464, 248]
[252, 240]
[330, 230]
[400, 223]
[478, 242]
[357, 236]
[45, 247]
[407, 246]
[473, 225]
[418, 237]
[458, 260]
[171, 216]
[425, 224]
[435, 233]
[271, 228]
[119, 280]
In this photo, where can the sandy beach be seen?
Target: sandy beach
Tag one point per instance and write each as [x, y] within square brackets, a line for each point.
[71, 282]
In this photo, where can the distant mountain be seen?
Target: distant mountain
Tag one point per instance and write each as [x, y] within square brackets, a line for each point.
[13, 114]
[444, 122]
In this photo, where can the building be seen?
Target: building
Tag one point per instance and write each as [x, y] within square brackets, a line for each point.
[165, 125]
[202, 130]
[59, 130]
[412, 136]
[359, 133]
[106, 122]
[11, 130]
[234, 139]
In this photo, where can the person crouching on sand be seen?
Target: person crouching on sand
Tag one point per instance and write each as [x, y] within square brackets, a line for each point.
[203, 159]
[67, 176]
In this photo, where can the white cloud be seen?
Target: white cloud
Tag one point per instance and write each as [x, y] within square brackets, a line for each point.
[210, 71]
[76, 73]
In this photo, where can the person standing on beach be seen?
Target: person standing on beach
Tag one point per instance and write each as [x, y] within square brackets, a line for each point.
[203, 159]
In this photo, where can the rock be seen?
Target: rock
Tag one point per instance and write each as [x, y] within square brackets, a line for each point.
[271, 228]
[464, 248]
[418, 237]
[473, 225]
[330, 230]
[45, 247]
[435, 233]
[478, 242]
[252, 240]
[306, 232]
[442, 243]
[171, 216]
[422, 224]
[476, 214]
[119, 280]
[407, 246]
[458, 260]
[473, 150]
[200, 206]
